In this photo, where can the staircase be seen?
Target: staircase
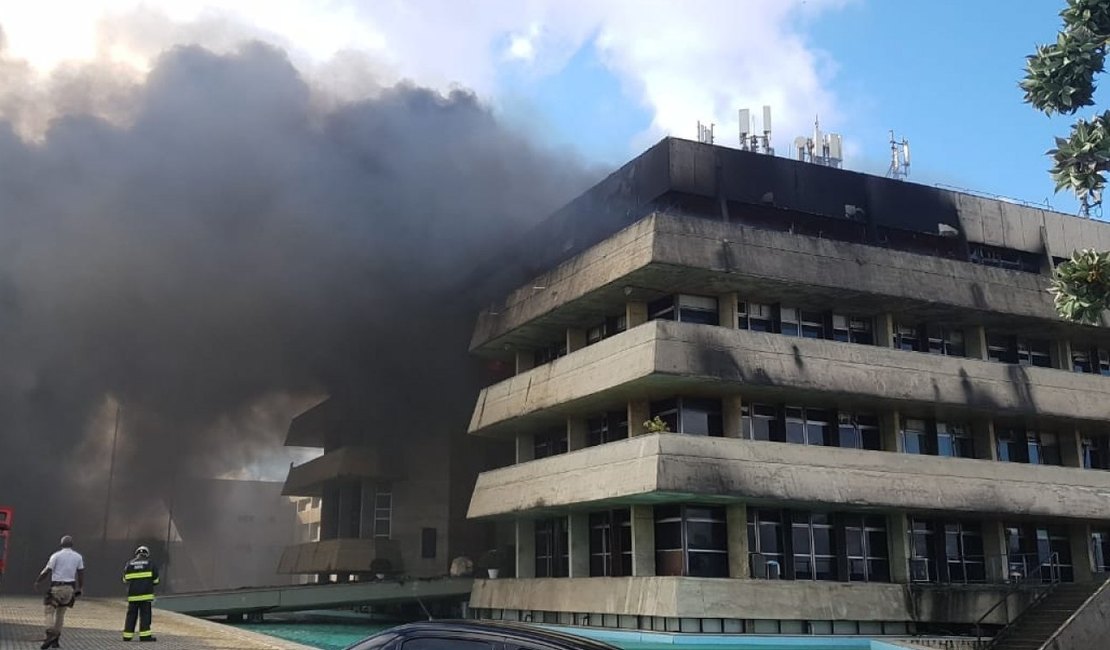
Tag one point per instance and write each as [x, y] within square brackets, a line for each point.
[1034, 627]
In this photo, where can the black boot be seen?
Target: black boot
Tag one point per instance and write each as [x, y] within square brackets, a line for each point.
[147, 638]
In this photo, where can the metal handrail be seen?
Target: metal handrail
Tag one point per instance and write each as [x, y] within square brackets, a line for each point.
[1053, 564]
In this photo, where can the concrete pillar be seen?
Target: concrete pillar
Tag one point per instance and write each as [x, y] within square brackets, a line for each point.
[576, 339]
[635, 313]
[890, 426]
[525, 360]
[1059, 352]
[731, 413]
[736, 519]
[975, 340]
[1082, 563]
[643, 541]
[996, 550]
[899, 526]
[525, 447]
[639, 411]
[577, 432]
[982, 434]
[884, 330]
[579, 533]
[525, 548]
[726, 310]
[1071, 447]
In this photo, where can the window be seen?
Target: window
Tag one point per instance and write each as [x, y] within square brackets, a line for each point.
[754, 316]
[868, 560]
[552, 557]
[946, 341]
[1043, 448]
[1034, 352]
[607, 427]
[692, 416]
[808, 426]
[859, 431]
[686, 309]
[922, 566]
[1081, 361]
[802, 322]
[1092, 360]
[609, 327]
[907, 337]
[1011, 445]
[999, 349]
[852, 329]
[1004, 258]
[1096, 453]
[314, 532]
[550, 352]
[814, 548]
[760, 422]
[765, 543]
[383, 511]
[611, 543]
[1030, 546]
[915, 437]
[954, 440]
[691, 541]
[550, 443]
[1100, 549]
[963, 548]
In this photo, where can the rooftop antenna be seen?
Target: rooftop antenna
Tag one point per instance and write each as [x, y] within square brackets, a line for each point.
[899, 158]
[705, 133]
[826, 149]
[750, 140]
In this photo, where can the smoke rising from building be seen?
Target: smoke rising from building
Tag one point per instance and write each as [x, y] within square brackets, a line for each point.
[225, 253]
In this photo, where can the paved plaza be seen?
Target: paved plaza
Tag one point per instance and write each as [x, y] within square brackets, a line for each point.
[95, 624]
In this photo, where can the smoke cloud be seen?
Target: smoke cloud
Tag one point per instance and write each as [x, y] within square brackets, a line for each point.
[221, 255]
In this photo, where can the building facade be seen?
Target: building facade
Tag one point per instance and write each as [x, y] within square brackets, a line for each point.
[755, 395]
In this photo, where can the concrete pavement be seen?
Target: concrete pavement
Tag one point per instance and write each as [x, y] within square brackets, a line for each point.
[95, 624]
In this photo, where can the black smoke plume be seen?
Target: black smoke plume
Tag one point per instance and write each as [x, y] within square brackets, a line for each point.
[229, 251]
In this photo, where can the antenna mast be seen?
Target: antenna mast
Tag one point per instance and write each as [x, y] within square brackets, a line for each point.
[752, 141]
[705, 133]
[899, 158]
[826, 149]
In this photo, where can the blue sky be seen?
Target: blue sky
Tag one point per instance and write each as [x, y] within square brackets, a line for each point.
[942, 73]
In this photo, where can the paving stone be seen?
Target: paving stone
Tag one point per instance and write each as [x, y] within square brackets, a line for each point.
[95, 624]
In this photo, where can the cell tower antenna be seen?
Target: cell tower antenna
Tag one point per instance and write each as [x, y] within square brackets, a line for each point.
[750, 139]
[899, 158]
[705, 133]
[825, 149]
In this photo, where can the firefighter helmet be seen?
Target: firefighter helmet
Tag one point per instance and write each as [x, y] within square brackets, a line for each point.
[142, 550]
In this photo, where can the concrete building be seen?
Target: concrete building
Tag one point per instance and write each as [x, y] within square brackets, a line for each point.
[386, 501]
[874, 422]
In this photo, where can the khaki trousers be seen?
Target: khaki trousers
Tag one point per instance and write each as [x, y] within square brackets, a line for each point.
[55, 613]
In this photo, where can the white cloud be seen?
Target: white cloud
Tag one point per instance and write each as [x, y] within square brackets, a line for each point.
[684, 61]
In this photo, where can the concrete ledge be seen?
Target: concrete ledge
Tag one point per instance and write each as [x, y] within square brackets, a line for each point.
[662, 356]
[339, 556]
[675, 467]
[745, 599]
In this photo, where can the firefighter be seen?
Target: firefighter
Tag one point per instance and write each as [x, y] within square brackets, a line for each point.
[140, 575]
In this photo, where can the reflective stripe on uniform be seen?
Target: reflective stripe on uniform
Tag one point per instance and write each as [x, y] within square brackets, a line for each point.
[138, 575]
[140, 598]
[127, 636]
[143, 633]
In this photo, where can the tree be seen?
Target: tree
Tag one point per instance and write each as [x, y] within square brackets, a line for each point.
[1060, 78]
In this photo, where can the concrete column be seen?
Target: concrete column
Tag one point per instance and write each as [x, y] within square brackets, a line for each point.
[890, 426]
[579, 533]
[736, 519]
[643, 541]
[726, 310]
[639, 411]
[731, 412]
[635, 313]
[1071, 447]
[525, 447]
[884, 330]
[996, 550]
[1081, 560]
[975, 339]
[899, 526]
[577, 432]
[576, 339]
[525, 548]
[525, 360]
[1060, 353]
[982, 433]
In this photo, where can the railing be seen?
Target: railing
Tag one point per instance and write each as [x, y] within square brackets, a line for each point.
[1022, 572]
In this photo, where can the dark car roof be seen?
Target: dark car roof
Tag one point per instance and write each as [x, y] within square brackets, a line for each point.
[515, 630]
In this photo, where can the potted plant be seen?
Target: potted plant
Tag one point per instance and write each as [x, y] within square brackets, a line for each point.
[657, 425]
[491, 561]
[380, 567]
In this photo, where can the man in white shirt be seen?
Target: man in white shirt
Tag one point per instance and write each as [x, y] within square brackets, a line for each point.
[66, 571]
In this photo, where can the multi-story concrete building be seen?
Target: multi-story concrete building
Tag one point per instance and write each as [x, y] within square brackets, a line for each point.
[873, 417]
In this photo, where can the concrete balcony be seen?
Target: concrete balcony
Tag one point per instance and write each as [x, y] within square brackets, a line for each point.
[308, 479]
[663, 358]
[749, 599]
[339, 556]
[675, 468]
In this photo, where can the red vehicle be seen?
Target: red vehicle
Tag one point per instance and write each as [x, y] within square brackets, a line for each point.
[5, 530]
